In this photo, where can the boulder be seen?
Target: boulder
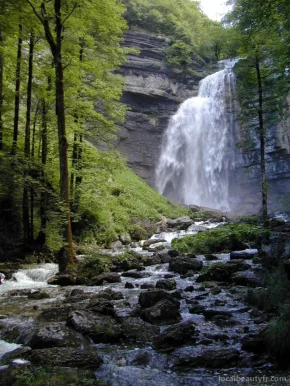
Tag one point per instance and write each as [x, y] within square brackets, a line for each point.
[137, 330]
[55, 335]
[109, 294]
[125, 239]
[136, 274]
[196, 309]
[148, 243]
[116, 245]
[212, 313]
[152, 260]
[38, 295]
[246, 254]
[109, 277]
[162, 313]
[166, 284]
[182, 265]
[149, 298]
[221, 272]
[100, 328]
[129, 285]
[64, 279]
[187, 358]
[174, 336]
[66, 357]
[101, 306]
[180, 223]
[247, 278]
[19, 352]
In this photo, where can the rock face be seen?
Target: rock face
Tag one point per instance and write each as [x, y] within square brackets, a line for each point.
[153, 92]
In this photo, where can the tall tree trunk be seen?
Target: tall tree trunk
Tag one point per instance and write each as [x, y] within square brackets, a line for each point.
[17, 92]
[27, 232]
[1, 89]
[29, 96]
[55, 43]
[41, 238]
[62, 140]
[262, 144]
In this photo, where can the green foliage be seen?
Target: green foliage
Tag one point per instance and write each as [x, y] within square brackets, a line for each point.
[191, 32]
[275, 295]
[277, 336]
[93, 265]
[119, 201]
[223, 239]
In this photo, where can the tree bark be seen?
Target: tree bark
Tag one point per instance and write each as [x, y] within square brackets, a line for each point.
[262, 144]
[17, 92]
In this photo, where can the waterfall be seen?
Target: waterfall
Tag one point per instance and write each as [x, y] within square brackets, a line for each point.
[198, 152]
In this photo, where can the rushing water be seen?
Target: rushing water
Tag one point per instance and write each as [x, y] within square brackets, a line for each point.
[30, 278]
[198, 151]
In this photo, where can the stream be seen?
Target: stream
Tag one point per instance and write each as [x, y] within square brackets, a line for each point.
[212, 354]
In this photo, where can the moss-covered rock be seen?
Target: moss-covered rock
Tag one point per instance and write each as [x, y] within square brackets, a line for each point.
[222, 239]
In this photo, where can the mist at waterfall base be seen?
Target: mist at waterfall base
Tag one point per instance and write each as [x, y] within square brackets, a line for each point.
[199, 154]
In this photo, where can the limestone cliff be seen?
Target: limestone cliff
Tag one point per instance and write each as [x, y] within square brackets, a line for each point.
[153, 93]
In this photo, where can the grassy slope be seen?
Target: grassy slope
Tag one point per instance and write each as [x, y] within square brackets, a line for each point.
[117, 201]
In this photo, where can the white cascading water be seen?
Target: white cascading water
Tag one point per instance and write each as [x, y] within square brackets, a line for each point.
[198, 152]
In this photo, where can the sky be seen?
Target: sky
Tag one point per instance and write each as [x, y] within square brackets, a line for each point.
[214, 9]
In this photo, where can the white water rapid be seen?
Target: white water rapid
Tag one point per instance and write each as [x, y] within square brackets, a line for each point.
[29, 278]
[198, 150]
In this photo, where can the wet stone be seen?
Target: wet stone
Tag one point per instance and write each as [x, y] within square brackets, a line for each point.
[162, 313]
[129, 285]
[174, 336]
[137, 330]
[167, 284]
[101, 306]
[149, 298]
[108, 277]
[183, 265]
[136, 274]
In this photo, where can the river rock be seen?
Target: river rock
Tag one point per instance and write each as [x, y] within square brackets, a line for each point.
[180, 223]
[162, 313]
[196, 309]
[197, 228]
[101, 306]
[164, 256]
[147, 286]
[136, 274]
[100, 328]
[187, 358]
[174, 336]
[109, 277]
[150, 242]
[212, 313]
[150, 298]
[129, 285]
[19, 352]
[166, 284]
[55, 335]
[246, 254]
[221, 272]
[64, 279]
[173, 253]
[137, 330]
[56, 314]
[125, 239]
[182, 265]
[247, 278]
[38, 295]
[66, 357]
[152, 260]
[116, 245]
[109, 294]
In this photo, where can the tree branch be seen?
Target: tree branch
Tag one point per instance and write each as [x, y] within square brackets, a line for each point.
[72, 11]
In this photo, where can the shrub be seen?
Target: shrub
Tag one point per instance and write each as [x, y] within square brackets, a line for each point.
[223, 239]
